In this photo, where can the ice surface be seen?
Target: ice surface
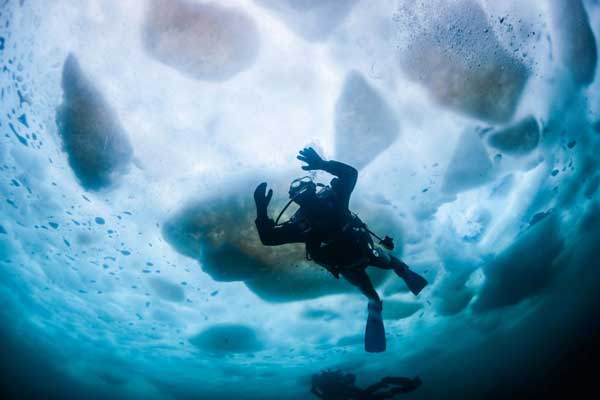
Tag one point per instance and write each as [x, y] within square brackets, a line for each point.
[312, 20]
[470, 165]
[575, 42]
[452, 295]
[143, 277]
[524, 269]
[452, 50]
[227, 338]
[93, 137]
[364, 123]
[203, 40]
[397, 309]
[166, 289]
[518, 139]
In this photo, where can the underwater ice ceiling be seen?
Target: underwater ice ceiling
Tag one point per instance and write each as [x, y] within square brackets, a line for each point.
[134, 133]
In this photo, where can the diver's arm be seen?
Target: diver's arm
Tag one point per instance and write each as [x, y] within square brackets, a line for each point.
[274, 235]
[269, 233]
[347, 175]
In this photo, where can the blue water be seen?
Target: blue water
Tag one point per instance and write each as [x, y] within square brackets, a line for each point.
[133, 135]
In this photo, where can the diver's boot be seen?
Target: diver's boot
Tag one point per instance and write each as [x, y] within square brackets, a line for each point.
[414, 281]
[374, 332]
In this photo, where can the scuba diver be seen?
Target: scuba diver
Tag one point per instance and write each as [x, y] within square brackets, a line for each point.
[336, 385]
[335, 238]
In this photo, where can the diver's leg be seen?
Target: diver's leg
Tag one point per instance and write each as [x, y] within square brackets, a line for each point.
[385, 260]
[405, 385]
[375, 387]
[359, 278]
[401, 381]
[374, 331]
[381, 259]
[401, 385]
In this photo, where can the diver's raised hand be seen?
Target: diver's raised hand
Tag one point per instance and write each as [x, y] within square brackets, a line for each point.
[262, 199]
[310, 157]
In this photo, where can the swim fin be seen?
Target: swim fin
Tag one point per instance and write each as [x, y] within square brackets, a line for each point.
[374, 332]
[414, 281]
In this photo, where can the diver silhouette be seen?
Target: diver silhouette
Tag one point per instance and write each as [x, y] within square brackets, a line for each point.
[337, 385]
[335, 238]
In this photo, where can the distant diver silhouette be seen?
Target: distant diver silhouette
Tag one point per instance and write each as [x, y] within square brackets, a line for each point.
[335, 237]
[337, 385]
